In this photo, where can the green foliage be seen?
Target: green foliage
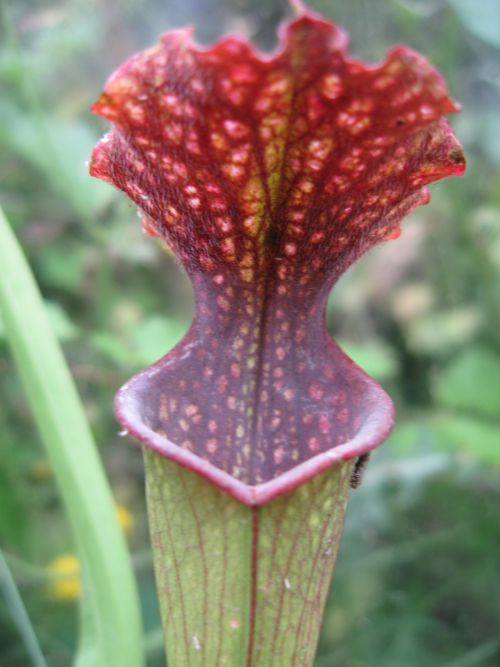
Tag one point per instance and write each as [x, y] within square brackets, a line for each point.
[154, 336]
[410, 592]
[374, 357]
[474, 438]
[72, 143]
[482, 21]
[471, 382]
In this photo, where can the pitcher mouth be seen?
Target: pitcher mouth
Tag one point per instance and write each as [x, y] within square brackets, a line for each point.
[131, 411]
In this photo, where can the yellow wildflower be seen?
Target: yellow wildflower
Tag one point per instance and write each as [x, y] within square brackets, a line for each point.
[125, 519]
[40, 470]
[65, 584]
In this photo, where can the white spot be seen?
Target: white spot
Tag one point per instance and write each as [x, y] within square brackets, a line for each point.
[123, 433]
[426, 111]
[194, 202]
[345, 119]
[171, 101]
[383, 82]
[224, 224]
[233, 171]
[263, 104]
[240, 155]
[196, 643]
[135, 111]
[278, 86]
[331, 86]
[235, 129]
[287, 583]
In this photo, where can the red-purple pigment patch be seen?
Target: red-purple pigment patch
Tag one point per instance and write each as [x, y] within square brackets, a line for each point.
[268, 177]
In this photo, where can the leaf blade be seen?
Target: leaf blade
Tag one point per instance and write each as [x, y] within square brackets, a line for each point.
[109, 606]
[20, 615]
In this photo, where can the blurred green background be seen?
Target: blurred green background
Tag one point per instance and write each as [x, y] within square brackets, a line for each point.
[418, 582]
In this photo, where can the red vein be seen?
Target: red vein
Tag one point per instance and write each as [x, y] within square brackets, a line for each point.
[175, 568]
[199, 535]
[254, 571]
[294, 545]
[222, 588]
[333, 517]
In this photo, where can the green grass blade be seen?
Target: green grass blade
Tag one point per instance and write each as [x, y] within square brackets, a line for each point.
[110, 632]
[19, 614]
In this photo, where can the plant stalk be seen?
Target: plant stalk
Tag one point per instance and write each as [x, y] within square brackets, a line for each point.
[110, 620]
[242, 586]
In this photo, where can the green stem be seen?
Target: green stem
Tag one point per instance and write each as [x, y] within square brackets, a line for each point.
[20, 615]
[110, 627]
[28, 573]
